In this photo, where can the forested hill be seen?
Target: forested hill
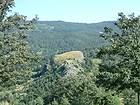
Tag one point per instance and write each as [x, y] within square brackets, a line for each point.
[52, 37]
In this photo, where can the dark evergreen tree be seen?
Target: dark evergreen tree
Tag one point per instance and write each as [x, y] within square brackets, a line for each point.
[16, 59]
[120, 68]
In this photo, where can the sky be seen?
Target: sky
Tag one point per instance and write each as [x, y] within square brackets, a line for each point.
[82, 11]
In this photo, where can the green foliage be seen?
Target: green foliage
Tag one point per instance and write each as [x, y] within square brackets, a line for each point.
[5, 6]
[17, 61]
[121, 59]
[53, 37]
[37, 101]
[112, 100]
[64, 101]
[78, 90]
[54, 103]
[129, 97]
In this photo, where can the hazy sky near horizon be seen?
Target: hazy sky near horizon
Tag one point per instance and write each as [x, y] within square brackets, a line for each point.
[85, 11]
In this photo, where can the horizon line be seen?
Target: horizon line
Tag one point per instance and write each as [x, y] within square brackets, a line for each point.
[75, 21]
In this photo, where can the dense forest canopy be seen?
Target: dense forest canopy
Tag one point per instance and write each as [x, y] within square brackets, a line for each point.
[53, 37]
[87, 64]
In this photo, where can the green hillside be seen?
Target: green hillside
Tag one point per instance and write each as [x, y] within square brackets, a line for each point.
[53, 37]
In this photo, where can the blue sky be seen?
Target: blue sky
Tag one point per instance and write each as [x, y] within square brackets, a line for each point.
[85, 11]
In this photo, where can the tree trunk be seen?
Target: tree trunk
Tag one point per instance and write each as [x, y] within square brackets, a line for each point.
[138, 98]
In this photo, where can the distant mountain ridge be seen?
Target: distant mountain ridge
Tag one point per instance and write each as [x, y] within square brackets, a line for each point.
[61, 21]
[52, 37]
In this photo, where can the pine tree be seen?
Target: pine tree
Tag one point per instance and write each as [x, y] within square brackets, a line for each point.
[64, 101]
[54, 103]
[16, 58]
[121, 59]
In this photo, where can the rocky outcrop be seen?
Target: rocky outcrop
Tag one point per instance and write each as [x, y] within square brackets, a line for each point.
[72, 55]
[71, 61]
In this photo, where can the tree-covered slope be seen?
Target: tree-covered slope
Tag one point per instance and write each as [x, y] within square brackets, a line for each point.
[57, 36]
